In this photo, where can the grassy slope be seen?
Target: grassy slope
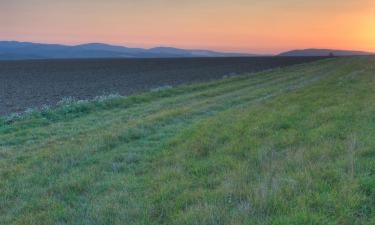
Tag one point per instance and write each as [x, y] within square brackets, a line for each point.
[287, 146]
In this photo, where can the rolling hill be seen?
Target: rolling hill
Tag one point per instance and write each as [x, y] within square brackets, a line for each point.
[324, 52]
[13, 50]
[10, 50]
[285, 146]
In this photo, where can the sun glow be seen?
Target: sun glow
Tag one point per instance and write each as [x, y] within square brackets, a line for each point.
[238, 25]
[372, 36]
[368, 33]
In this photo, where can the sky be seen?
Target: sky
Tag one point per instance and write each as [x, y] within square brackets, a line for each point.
[256, 26]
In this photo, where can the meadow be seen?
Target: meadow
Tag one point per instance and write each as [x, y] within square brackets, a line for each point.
[292, 145]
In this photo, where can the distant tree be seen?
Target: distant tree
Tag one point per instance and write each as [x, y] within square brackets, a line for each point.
[331, 54]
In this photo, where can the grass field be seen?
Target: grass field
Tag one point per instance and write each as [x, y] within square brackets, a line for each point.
[285, 146]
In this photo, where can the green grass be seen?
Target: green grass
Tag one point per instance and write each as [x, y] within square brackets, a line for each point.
[286, 146]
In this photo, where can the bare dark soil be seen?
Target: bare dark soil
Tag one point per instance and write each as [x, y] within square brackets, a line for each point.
[33, 83]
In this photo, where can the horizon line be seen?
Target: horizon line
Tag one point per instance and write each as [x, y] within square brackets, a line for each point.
[192, 49]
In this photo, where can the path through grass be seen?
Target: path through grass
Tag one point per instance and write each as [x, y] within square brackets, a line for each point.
[287, 146]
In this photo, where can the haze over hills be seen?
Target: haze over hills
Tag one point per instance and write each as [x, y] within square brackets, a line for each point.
[12, 50]
[324, 52]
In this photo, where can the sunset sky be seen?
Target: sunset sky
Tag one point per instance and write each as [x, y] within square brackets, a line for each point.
[258, 26]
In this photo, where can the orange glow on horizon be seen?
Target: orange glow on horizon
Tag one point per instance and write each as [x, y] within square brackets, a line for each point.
[239, 25]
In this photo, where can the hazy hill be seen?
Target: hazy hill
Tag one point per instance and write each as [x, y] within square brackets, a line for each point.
[323, 52]
[27, 50]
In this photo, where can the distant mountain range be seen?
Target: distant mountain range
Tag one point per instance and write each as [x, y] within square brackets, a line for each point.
[12, 50]
[323, 52]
